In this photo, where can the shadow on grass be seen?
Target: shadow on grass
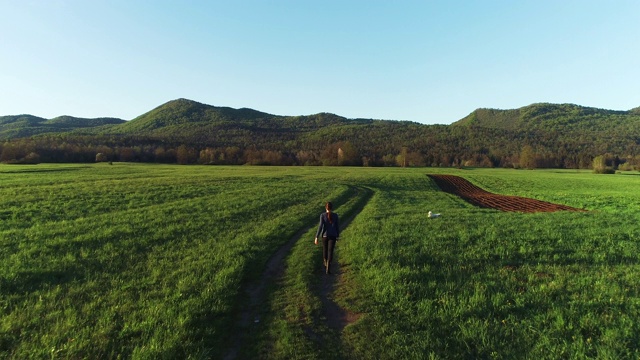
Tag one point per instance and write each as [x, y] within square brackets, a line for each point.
[256, 295]
[41, 170]
[31, 281]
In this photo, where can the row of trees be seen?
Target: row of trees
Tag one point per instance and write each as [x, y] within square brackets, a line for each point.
[341, 153]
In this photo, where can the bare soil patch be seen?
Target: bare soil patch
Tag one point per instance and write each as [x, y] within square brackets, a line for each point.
[479, 197]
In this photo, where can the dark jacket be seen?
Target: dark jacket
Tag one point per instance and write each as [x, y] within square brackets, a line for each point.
[328, 229]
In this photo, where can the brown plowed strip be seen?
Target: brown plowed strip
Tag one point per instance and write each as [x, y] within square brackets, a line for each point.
[482, 198]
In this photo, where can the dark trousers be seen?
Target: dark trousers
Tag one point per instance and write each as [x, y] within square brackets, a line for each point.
[328, 243]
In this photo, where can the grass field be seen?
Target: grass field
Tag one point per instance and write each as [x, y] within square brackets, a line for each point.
[150, 261]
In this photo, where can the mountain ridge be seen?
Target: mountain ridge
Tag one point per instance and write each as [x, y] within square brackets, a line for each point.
[184, 111]
[560, 135]
[536, 115]
[25, 125]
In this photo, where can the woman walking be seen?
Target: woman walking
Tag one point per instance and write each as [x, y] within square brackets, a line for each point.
[329, 228]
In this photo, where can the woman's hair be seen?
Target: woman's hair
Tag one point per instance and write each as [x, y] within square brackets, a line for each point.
[329, 207]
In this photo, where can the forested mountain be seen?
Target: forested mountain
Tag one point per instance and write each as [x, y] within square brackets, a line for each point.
[547, 117]
[185, 131]
[20, 126]
[189, 122]
[179, 116]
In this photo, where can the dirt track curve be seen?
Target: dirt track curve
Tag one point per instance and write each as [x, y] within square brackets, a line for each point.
[482, 198]
[337, 318]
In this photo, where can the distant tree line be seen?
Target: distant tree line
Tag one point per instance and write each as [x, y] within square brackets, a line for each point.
[453, 148]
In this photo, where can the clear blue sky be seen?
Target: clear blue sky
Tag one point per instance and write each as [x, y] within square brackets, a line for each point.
[427, 61]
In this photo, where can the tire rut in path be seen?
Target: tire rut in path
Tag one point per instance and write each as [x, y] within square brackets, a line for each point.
[477, 196]
[255, 292]
[337, 317]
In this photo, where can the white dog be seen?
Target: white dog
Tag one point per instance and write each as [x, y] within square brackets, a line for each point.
[432, 215]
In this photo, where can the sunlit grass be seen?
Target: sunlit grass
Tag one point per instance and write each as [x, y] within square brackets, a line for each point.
[487, 284]
[150, 266]
[149, 261]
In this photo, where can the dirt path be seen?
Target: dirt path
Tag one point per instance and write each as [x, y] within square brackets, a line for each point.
[482, 198]
[255, 292]
[337, 317]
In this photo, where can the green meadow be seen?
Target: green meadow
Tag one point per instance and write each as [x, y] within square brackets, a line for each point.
[152, 262]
